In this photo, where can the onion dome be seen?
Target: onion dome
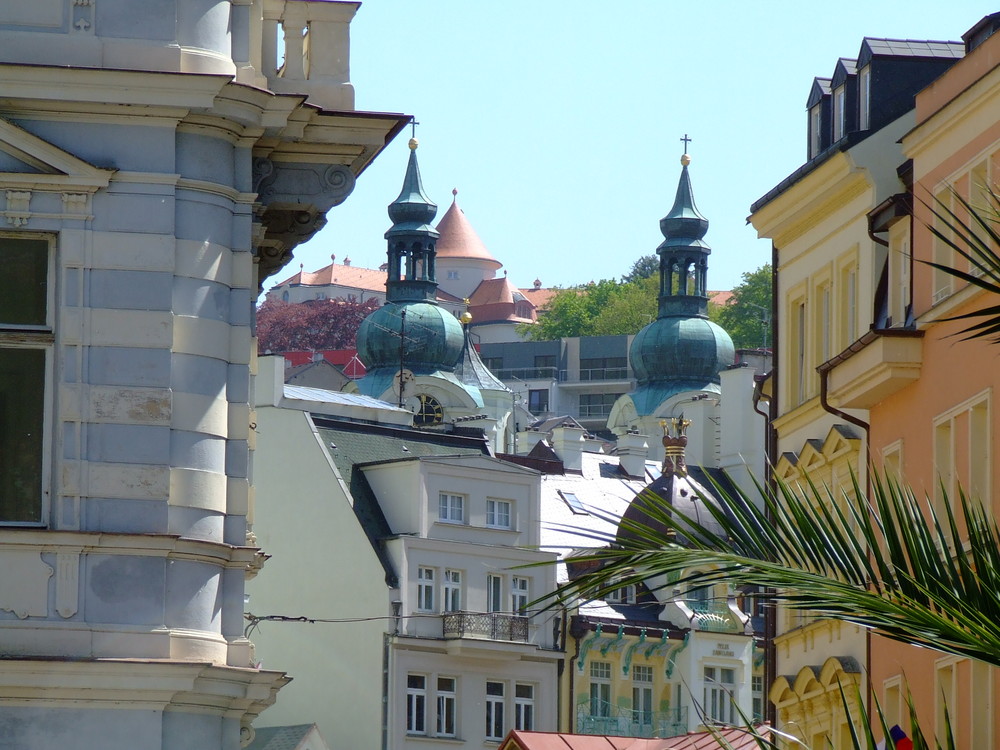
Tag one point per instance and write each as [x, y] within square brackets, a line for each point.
[412, 210]
[432, 338]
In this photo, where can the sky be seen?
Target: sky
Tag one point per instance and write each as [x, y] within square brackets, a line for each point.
[559, 122]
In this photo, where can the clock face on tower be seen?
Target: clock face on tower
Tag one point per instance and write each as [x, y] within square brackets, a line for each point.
[429, 411]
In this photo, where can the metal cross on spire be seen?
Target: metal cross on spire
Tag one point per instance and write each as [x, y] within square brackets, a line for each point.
[686, 141]
[413, 126]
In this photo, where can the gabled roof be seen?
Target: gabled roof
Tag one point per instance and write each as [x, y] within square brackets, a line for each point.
[459, 240]
[820, 88]
[845, 67]
[355, 277]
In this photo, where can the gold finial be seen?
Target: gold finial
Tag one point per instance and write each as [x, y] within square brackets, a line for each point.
[674, 443]
[413, 144]
[465, 318]
[685, 160]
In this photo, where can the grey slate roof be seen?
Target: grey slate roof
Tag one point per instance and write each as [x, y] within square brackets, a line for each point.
[471, 370]
[322, 396]
[914, 48]
[280, 738]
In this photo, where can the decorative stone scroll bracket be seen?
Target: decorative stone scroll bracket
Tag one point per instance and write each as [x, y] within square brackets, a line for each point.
[293, 200]
[17, 209]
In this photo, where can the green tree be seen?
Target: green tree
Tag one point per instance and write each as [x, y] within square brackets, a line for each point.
[747, 315]
[632, 307]
[643, 268]
[572, 311]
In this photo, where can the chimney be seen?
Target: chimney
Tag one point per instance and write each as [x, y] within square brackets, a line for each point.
[528, 439]
[347, 261]
[632, 451]
[568, 442]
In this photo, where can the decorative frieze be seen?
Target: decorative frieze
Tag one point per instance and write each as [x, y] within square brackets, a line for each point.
[18, 212]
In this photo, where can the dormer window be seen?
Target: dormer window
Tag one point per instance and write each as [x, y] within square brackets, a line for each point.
[839, 112]
[864, 97]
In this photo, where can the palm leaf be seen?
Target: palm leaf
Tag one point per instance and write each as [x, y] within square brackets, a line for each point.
[890, 563]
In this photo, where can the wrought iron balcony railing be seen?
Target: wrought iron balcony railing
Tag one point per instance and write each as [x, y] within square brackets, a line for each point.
[715, 617]
[606, 719]
[495, 626]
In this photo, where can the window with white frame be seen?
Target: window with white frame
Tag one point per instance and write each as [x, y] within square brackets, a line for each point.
[622, 594]
[600, 688]
[494, 593]
[864, 97]
[451, 508]
[961, 452]
[720, 695]
[815, 137]
[416, 704]
[839, 112]
[524, 707]
[498, 513]
[425, 589]
[26, 340]
[642, 694]
[452, 591]
[494, 710]
[519, 595]
[446, 706]
[945, 685]
[757, 696]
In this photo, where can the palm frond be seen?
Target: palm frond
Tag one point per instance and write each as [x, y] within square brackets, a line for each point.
[889, 562]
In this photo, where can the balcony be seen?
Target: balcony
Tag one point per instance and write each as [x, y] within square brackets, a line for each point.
[590, 376]
[526, 373]
[605, 719]
[492, 626]
[874, 367]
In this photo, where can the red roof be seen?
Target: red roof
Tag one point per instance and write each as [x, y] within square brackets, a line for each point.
[498, 299]
[459, 240]
[342, 275]
[737, 739]
[720, 298]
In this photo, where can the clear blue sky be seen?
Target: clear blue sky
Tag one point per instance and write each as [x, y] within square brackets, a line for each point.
[559, 122]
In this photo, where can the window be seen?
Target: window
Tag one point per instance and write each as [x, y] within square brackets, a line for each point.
[815, 137]
[600, 688]
[416, 704]
[494, 711]
[798, 354]
[699, 598]
[425, 589]
[493, 364]
[757, 695]
[944, 693]
[850, 296]
[25, 356]
[498, 513]
[494, 593]
[864, 97]
[824, 323]
[451, 508]
[720, 687]
[452, 274]
[519, 595]
[839, 113]
[524, 707]
[961, 452]
[622, 595]
[892, 701]
[899, 274]
[941, 253]
[642, 694]
[545, 360]
[452, 590]
[574, 503]
[538, 401]
[446, 701]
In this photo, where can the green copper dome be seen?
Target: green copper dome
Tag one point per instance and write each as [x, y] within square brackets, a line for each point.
[432, 338]
[681, 348]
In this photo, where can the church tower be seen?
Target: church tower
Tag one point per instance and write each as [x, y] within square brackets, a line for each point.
[678, 356]
[416, 352]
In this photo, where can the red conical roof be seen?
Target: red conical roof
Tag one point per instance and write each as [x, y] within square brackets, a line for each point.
[459, 240]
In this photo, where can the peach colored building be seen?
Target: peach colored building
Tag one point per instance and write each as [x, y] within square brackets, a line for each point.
[929, 394]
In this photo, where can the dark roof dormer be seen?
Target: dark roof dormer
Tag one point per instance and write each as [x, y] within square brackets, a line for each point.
[981, 31]
[818, 107]
[892, 71]
[844, 94]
